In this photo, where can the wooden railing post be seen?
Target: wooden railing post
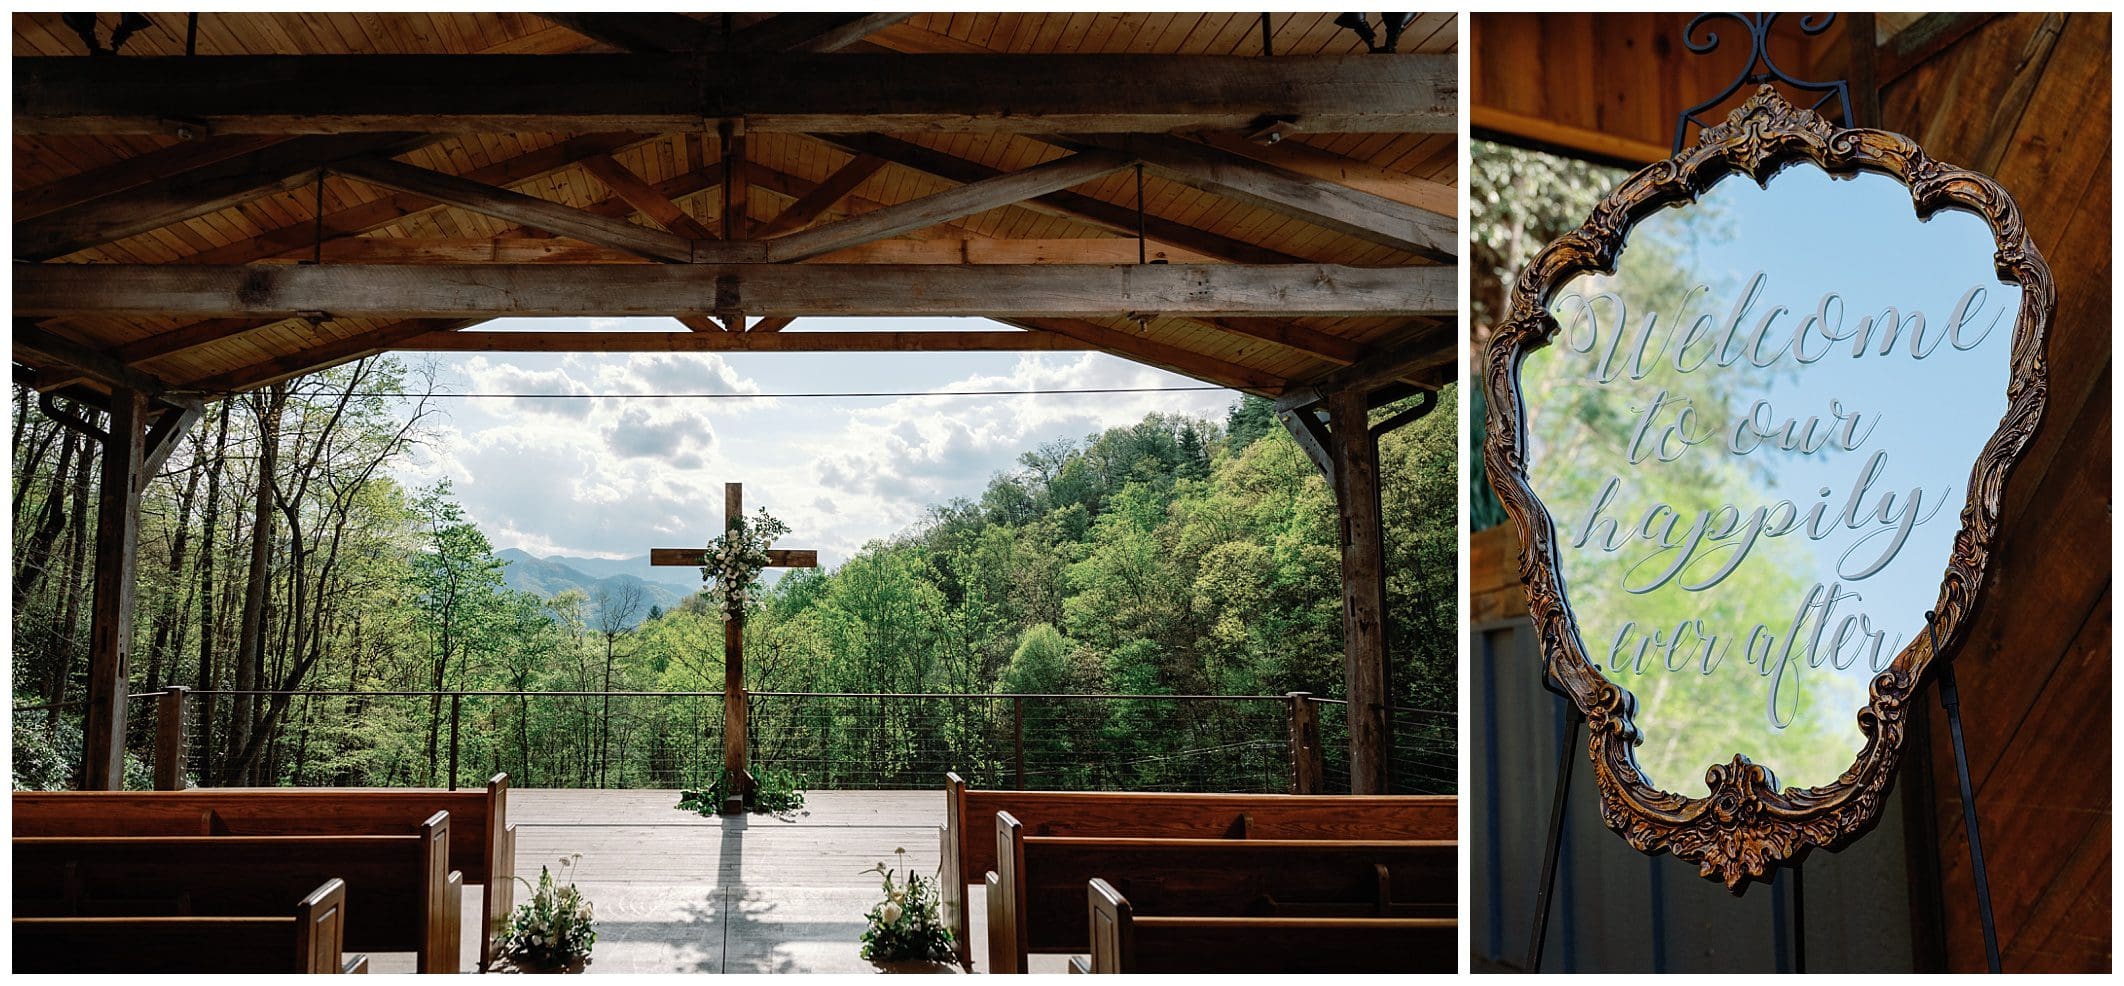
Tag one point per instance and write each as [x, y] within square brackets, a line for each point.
[169, 739]
[1306, 768]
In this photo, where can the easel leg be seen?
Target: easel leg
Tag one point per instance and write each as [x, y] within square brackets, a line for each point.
[1951, 700]
[1566, 756]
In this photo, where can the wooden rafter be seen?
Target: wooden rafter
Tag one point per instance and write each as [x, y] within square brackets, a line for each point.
[521, 209]
[195, 335]
[811, 32]
[657, 206]
[616, 290]
[323, 356]
[811, 205]
[129, 173]
[638, 31]
[666, 93]
[274, 168]
[1147, 350]
[1069, 205]
[953, 203]
[1343, 209]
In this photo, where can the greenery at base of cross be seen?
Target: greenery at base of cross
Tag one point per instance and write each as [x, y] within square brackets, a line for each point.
[1173, 556]
[774, 792]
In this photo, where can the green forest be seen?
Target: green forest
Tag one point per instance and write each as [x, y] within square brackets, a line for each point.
[1172, 557]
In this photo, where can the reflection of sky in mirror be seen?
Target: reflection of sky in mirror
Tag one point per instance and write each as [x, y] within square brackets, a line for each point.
[1808, 234]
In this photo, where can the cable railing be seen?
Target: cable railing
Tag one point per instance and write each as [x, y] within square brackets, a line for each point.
[812, 740]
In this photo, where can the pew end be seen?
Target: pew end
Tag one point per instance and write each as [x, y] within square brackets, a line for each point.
[1124, 942]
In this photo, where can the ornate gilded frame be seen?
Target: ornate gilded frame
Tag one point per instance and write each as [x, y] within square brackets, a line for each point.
[1747, 826]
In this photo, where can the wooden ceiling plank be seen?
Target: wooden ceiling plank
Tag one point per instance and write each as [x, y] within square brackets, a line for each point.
[954, 203]
[618, 290]
[521, 209]
[666, 93]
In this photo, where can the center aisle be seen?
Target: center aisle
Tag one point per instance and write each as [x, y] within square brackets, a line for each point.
[676, 892]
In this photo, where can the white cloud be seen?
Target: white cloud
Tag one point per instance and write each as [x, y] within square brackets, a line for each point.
[615, 476]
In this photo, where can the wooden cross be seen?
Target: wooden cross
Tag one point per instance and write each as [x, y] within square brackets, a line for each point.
[734, 752]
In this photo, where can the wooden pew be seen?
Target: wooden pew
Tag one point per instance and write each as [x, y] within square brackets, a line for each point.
[968, 844]
[310, 940]
[1123, 941]
[401, 895]
[483, 847]
[1036, 893]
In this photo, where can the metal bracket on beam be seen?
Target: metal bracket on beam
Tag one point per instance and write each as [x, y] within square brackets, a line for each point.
[1300, 414]
[1426, 405]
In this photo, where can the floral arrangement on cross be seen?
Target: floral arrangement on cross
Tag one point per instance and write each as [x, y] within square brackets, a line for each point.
[735, 560]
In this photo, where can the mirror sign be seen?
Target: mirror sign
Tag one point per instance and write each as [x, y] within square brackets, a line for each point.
[1744, 419]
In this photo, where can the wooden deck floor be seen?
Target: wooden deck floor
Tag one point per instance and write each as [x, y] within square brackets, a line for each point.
[676, 892]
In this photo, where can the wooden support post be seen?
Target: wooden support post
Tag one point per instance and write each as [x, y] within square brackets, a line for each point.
[169, 739]
[1356, 482]
[111, 622]
[735, 753]
[1306, 768]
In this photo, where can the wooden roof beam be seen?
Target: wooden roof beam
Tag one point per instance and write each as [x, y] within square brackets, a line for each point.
[276, 168]
[617, 290]
[671, 93]
[1068, 205]
[1345, 210]
[812, 33]
[95, 365]
[954, 203]
[1144, 349]
[521, 209]
[741, 342]
[638, 31]
[197, 334]
[324, 356]
[827, 194]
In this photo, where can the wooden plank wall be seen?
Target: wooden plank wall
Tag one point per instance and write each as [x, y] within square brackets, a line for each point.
[1606, 85]
[2027, 98]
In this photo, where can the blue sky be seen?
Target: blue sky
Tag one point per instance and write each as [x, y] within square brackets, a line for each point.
[614, 477]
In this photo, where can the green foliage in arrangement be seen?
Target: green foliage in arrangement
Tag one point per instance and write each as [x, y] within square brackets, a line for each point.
[906, 926]
[556, 928]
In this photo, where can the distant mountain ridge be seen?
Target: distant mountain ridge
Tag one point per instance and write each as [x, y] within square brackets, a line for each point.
[549, 577]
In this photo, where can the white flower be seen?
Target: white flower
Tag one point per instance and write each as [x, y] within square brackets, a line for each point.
[890, 913]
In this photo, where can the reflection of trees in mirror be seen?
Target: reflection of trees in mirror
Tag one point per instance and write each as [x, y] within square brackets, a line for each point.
[1737, 653]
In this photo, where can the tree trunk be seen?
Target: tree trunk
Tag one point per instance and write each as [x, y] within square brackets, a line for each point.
[36, 552]
[207, 679]
[250, 644]
[166, 617]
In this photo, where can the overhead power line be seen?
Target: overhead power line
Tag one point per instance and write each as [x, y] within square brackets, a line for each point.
[845, 394]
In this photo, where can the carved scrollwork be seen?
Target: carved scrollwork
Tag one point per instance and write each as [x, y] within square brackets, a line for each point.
[1748, 825]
